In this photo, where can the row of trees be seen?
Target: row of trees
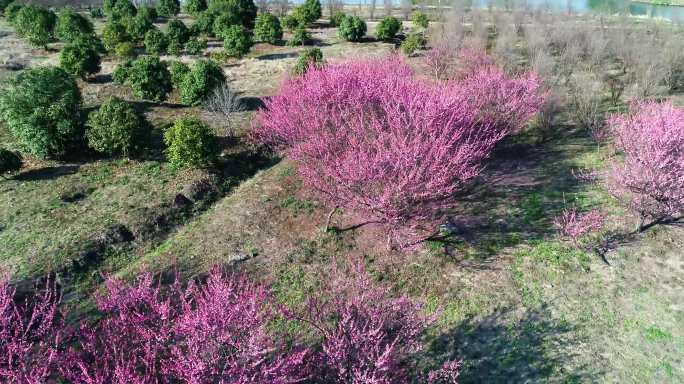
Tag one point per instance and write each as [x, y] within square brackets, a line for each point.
[42, 109]
[223, 329]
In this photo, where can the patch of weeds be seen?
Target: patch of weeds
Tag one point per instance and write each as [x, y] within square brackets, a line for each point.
[297, 206]
[655, 334]
[532, 208]
[667, 368]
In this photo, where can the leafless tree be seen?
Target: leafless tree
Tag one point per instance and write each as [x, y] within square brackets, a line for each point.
[585, 101]
[225, 101]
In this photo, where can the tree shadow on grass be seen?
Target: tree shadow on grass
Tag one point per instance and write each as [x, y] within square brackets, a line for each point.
[278, 56]
[47, 173]
[509, 347]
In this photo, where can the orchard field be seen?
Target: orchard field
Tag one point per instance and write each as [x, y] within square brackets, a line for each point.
[259, 193]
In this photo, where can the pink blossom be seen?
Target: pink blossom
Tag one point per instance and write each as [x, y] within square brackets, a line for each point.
[650, 178]
[575, 225]
[368, 136]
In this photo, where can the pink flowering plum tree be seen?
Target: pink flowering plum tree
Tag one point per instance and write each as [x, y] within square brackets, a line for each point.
[574, 225]
[29, 335]
[649, 176]
[369, 136]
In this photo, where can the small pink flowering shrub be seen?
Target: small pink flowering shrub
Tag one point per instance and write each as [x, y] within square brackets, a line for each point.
[650, 178]
[369, 136]
[575, 225]
[29, 335]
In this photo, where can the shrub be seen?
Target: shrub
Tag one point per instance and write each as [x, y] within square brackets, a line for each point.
[36, 24]
[121, 71]
[9, 162]
[204, 24]
[175, 48]
[149, 78]
[224, 101]
[198, 84]
[177, 32]
[267, 28]
[71, 25]
[310, 57]
[420, 19]
[236, 41]
[576, 225]
[190, 143]
[178, 71]
[3, 5]
[352, 28]
[312, 10]
[116, 128]
[41, 108]
[11, 12]
[156, 42]
[137, 26]
[196, 46]
[125, 50]
[371, 126]
[649, 179]
[29, 334]
[148, 13]
[388, 28]
[412, 43]
[194, 7]
[300, 36]
[123, 9]
[244, 10]
[168, 8]
[96, 13]
[292, 22]
[337, 18]
[223, 22]
[108, 5]
[80, 58]
[113, 34]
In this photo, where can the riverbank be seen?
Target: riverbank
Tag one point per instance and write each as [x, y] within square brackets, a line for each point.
[673, 3]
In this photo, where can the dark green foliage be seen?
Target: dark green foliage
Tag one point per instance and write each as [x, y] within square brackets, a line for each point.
[41, 108]
[223, 22]
[93, 41]
[168, 8]
[108, 6]
[196, 46]
[125, 50]
[36, 24]
[292, 22]
[156, 42]
[336, 18]
[352, 28]
[197, 84]
[388, 28]
[116, 128]
[190, 143]
[267, 28]
[312, 10]
[420, 19]
[9, 161]
[121, 71]
[412, 43]
[175, 48]
[71, 25]
[300, 36]
[3, 5]
[204, 23]
[149, 78]
[244, 10]
[113, 34]
[194, 7]
[123, 9]
[80, 58]
[137, 26]
[96, 13]
[310, 56]
[149, 13]
[177, 32]
[236, 41]
[178, 71]
[11, 12]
